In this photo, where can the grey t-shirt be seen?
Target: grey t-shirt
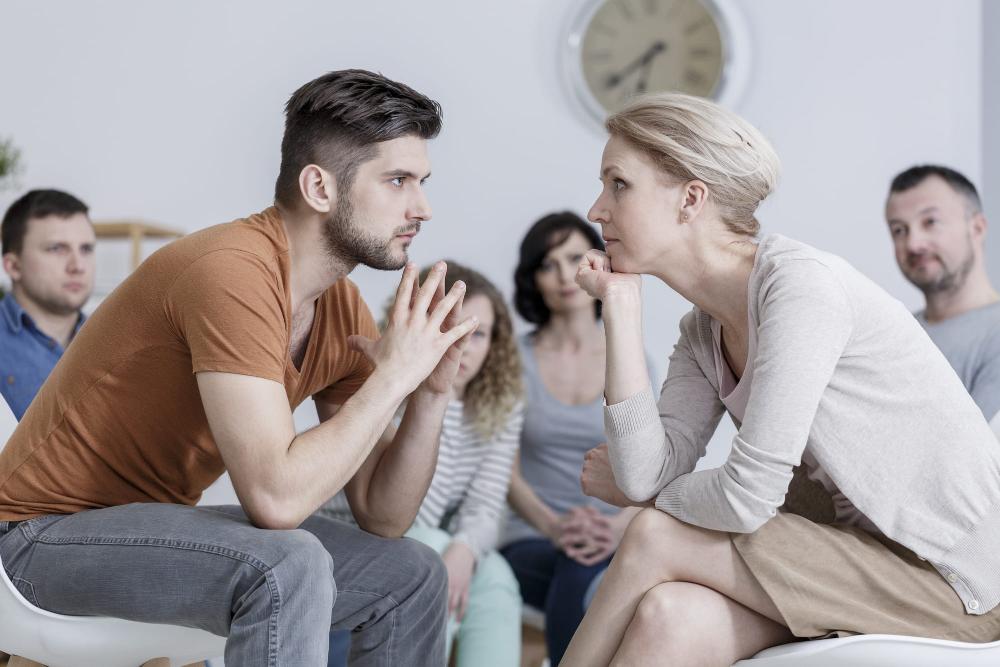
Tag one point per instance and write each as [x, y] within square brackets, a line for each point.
[971, 344]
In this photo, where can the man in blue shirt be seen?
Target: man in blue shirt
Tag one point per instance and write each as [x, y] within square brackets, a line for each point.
[48, 252]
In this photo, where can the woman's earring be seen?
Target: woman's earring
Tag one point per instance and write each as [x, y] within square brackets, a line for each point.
[684, 217]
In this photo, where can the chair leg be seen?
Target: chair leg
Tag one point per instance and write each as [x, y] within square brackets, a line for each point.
[18, 661]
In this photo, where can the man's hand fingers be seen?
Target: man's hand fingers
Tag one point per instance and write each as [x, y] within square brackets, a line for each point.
[463, 328]
[404, 294]
[447, 304]
[430, 286]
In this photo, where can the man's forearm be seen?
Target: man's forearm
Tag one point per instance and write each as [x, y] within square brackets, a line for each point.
[319, 462]
[404, 472]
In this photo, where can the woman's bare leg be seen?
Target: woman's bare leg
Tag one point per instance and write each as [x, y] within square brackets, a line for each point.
[657, 549]
[679, 623]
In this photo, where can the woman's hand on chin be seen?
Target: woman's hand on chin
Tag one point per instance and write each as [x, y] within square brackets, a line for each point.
[596, 278]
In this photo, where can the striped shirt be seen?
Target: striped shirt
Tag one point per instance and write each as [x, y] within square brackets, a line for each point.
[468, 493]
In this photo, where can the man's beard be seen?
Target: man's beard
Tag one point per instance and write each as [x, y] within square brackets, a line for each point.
[949, 280]
[347, 242]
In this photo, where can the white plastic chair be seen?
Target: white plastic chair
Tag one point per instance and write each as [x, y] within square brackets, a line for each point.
[89, 641]
[877, 651]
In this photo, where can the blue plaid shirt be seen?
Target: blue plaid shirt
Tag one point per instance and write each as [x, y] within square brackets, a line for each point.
[27, 355]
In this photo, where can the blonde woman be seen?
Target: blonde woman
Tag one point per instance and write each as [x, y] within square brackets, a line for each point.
[465, 503]
[817, 365]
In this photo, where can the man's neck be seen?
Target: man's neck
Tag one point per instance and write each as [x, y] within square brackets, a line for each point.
[312, 268]
[976, 292]
[58, 326]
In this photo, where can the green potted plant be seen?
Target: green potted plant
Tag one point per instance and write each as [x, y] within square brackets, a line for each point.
[10, 167]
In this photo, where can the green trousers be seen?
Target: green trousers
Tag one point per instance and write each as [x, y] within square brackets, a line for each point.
[490, 633]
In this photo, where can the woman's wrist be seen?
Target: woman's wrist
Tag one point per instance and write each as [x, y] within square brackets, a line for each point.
[622, 295]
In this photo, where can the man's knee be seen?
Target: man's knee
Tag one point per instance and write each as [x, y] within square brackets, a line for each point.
[425, 565]
[303, 561]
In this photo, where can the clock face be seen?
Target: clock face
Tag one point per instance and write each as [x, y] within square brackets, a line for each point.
[630, 47]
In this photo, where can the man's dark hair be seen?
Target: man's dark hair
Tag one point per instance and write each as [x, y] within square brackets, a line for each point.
[548, 232]
[335, 122]
[914, 176]
[35, 204]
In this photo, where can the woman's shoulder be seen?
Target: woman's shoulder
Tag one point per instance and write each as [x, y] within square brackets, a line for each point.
[798, 267]
[780, 253]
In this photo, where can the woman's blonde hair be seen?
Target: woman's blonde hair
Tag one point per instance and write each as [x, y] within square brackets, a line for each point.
[691, 138]
[492, 394]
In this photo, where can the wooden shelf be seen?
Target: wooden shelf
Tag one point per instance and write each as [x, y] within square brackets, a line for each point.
[135, 231]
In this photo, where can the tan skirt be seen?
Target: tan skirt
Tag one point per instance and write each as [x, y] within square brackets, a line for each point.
[833, 579]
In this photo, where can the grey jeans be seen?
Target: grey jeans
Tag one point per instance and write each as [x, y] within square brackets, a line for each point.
[274, 593]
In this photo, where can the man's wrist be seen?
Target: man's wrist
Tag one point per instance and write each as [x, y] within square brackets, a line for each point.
[428, 398]
[388, 384]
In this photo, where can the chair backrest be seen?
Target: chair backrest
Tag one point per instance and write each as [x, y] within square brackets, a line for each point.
[8, 422]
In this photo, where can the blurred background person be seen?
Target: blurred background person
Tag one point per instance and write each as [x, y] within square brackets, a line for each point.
[938, 231]
[461, 514]
[557, 539]
[48, 253]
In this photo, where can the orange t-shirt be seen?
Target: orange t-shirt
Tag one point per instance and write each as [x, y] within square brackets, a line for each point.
[120, 419]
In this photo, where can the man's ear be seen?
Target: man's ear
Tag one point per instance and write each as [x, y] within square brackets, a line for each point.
[978, 224]
[12, 266]
[318, 188]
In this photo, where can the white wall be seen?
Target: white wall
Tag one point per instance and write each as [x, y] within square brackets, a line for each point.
[990, 183]
[172, 111]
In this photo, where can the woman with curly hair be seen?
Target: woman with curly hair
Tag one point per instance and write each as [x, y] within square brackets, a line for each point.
[464, 505]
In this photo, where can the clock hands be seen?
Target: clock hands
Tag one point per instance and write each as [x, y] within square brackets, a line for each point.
[643, 62]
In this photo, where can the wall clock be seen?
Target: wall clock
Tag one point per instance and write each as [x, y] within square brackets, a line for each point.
[616, 49]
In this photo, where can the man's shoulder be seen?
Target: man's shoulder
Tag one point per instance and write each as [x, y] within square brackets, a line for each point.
[982, 322]
[258, 235]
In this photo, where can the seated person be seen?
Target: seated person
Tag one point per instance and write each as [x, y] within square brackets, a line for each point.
[938, 229]
[194, 365]
[557, 539]
[816, 364]
[48, 252]
[461, 515]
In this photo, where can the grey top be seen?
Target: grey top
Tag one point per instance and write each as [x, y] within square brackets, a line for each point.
[971, 344]
[845, 374]
[554, 438]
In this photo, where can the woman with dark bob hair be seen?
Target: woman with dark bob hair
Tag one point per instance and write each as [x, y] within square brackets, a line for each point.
[817, 366]
[558, 539]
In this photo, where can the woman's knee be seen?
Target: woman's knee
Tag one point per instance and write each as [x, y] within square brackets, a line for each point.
[649, 535]
[671, 609]
[657, 542]
[495, 580]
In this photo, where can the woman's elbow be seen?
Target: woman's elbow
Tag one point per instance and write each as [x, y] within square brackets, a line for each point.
[751, 520]
[638, 490]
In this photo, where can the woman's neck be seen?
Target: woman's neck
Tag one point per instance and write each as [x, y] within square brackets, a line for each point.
[715, 277]
[575, 330]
